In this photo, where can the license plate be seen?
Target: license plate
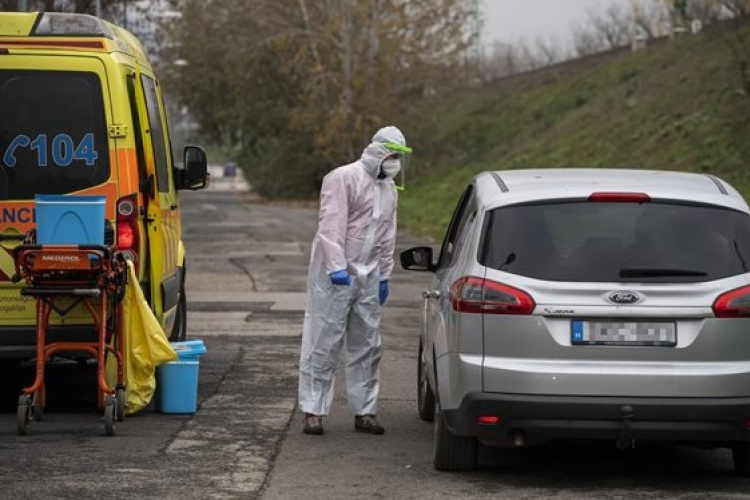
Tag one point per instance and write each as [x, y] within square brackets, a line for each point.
[619, 333]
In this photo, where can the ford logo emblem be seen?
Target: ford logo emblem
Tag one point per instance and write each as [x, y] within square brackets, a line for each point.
[624, 297]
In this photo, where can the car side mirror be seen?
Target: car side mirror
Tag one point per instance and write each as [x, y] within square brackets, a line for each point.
[194, 172]
[418, 259]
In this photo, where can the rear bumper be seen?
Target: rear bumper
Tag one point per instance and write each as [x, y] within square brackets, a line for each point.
[20, 342]
[533, 420]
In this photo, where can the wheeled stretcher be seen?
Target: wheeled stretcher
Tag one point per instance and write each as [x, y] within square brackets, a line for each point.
[59, 278]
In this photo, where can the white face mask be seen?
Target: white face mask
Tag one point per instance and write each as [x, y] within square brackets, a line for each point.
[391, 168]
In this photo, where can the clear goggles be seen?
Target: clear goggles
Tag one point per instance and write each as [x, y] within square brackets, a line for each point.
[404, 156]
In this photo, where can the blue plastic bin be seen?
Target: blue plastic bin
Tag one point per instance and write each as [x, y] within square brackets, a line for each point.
[177, 381]
[69, 220]
[177, 387]
[189, 350]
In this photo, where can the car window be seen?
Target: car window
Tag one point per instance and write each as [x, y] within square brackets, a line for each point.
[140, 153]
[53, 134]
[615, 242]
[157, 134]
[465, 208]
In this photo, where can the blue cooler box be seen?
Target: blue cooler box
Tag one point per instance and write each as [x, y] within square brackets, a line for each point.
[177, 381]
[69, 220]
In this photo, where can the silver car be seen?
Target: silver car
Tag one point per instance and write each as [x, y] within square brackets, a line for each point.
[588, 304]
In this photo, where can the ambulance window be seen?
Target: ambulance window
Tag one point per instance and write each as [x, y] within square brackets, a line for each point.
[53, 134]
[142, 173]
[157, 134]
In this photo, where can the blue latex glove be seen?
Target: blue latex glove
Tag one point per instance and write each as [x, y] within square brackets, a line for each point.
[340, 278]
[383, 291]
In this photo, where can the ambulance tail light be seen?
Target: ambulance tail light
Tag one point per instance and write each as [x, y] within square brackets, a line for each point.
[127, 228]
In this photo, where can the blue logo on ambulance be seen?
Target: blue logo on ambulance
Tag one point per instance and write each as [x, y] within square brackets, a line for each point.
[61, 149]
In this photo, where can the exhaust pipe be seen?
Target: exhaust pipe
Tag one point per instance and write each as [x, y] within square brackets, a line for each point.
[625, 441]
[519, 439]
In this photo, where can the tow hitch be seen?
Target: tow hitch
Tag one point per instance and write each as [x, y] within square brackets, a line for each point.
[625, 441]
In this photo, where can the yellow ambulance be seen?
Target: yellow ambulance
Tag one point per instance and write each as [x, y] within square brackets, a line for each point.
[81, 113]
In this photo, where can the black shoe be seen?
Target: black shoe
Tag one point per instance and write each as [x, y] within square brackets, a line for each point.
[313, 424]
[368, 424]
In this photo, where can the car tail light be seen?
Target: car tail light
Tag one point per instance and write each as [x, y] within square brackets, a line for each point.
[734, 304]
[488, 419]
[478, 295]
[620, 197]
[127, 228]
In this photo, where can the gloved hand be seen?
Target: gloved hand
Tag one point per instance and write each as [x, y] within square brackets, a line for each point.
[341, 278]
[383, 291]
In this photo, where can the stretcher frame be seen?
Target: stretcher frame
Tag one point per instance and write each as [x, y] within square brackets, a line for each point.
[94, 276]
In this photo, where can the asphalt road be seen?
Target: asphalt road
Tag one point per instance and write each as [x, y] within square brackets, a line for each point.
[246, 279]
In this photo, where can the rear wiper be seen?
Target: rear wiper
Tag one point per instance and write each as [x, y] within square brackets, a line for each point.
[510, 259]
[657, 272]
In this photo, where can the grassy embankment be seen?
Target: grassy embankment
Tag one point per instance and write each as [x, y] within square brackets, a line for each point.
[676, 106]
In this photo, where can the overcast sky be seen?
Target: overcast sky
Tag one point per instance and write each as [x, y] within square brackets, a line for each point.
[511, 20]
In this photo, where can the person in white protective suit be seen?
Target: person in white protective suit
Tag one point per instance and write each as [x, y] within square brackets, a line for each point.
[350, 264]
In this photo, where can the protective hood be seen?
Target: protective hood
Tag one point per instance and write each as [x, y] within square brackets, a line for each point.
[385, 142]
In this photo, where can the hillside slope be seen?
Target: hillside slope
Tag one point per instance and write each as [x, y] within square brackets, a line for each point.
[676, 106]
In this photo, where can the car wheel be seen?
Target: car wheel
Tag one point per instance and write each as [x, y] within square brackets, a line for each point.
[452, 453]
[179, 330]
[741, 459]
[425, 396]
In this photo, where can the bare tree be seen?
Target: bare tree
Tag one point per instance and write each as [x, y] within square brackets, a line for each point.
[737, 8]
[84, 6]
[738, 43]
[610, 26]
[304, 82]
[649, 17]
[502, 61]
[620, 21]
[549, 51]
[528, 59]
[586, 40]
[705, 11]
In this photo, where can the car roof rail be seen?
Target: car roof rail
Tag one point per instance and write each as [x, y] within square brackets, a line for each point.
[719, 184]
[500, 183]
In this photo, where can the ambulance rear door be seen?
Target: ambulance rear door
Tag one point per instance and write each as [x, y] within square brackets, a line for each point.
[163, 225]
[53, 140]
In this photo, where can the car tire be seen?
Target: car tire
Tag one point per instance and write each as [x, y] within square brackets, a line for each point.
[741, 459]
[451, 452]
[179, 329]
[425, 395]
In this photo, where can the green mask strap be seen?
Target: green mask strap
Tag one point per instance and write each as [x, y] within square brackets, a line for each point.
[402, 187]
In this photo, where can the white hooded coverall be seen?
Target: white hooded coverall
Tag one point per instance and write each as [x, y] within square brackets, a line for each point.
[356, 232]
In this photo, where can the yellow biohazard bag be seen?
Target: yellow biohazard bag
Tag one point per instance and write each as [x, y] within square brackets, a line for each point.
[146, 347]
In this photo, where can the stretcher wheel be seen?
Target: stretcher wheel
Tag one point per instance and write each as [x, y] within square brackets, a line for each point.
[109, 416]
[121, 401]
[23, 414]
[37, 406]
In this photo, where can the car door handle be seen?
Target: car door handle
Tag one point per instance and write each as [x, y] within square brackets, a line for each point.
[431, 294]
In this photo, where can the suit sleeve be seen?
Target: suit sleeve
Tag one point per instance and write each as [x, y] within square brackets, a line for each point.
[332, 221]
[389, 241]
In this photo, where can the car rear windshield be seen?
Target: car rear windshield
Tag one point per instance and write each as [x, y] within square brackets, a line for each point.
[616, 242]
[53, 135]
